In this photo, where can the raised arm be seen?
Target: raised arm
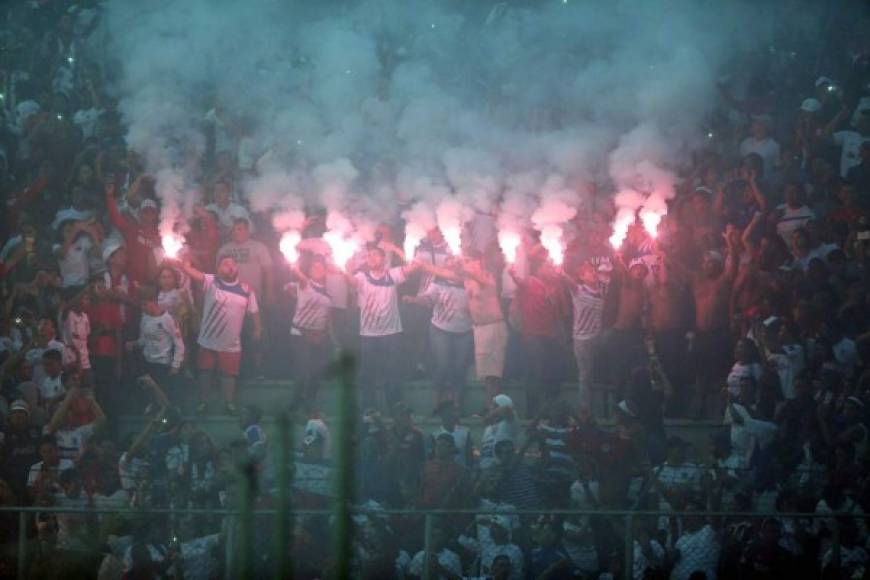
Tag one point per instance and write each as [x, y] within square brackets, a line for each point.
[440, 271]
[188, 269]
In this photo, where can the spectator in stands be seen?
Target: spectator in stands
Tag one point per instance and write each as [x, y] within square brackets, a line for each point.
[227, 302]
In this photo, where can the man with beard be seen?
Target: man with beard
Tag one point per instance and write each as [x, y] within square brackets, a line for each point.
[226, 302]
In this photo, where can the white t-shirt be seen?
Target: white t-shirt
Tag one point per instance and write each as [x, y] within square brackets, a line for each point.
[36, 469]
[131, 471]
[86, 120]
[588, 305]
[850, 142]
[224, 309]
[253, 260]
[72, 528]
[447, 559]
[379, 302]
[312, 308]
[791, 220]
[160, 340]
[34, 357]
[739, 372]
[336, 283]
[504, 430]
[699, 551]
[767, 148]
[75, 267]
[449, 306]
[51, 387]
[71, 442]
[76, 330]
[787, 370]
[227, 216]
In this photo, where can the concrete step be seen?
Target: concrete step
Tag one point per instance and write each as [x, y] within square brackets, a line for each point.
[225, 428]
[420, 395]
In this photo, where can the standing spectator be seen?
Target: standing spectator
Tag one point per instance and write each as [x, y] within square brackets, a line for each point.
[105, 341]
[409, 451]
[450, 338]
[252, 259]
[762, 144]
[309, 331]
[77, 331]
[587, 296]
[444, 482]
[380, 324]
[18, 448]
[696, 549]
[79, 243]
[501, 425]
[489, 327]
[75, 420]
[794, 213]
[461, 436]
[226, 304]
[541, 314]
[140, 234]
[225, 209]
[160, 340]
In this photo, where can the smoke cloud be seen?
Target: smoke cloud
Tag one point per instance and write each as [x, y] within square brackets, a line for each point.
[428, 110]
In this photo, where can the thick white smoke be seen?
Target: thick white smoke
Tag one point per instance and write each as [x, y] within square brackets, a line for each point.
[428, 110]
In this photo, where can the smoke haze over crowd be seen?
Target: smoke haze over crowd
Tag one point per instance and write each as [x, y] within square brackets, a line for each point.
[434, 108]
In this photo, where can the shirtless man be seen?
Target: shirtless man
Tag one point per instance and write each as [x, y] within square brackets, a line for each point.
[490, 330]
[711, 289]
[626, 346]
[667, 326]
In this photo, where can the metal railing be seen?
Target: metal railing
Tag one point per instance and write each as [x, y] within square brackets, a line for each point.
[283, 554]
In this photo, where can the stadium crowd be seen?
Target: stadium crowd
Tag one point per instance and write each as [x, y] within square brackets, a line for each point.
[750, 310]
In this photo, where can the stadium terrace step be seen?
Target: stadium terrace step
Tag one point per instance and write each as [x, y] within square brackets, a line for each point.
[225, 428]
[420, 395]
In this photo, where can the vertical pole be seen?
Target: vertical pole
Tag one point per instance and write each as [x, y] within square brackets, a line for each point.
[245, 562]
[629, 547]
[835, 548]
[22, 545]
[344, 495]
[283, 564]
[427, 548]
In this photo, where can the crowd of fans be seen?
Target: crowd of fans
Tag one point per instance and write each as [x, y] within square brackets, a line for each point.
[750, 307]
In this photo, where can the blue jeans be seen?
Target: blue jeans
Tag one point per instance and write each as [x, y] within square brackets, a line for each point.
[379, 365]
[451, 355]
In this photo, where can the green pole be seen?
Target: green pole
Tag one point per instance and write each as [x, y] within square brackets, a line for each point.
[284, 566]
[22, 545]
[344, 480]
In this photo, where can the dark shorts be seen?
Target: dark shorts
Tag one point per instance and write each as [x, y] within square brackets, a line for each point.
[712, 354]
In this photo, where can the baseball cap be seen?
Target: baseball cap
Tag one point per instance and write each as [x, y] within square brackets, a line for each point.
[503, 401]
[811, 105]
[824, 81]
[19, 405]
[146, 203]
[110, 248]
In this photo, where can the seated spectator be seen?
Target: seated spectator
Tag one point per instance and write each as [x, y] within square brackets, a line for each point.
[444, 482]
[44, 476]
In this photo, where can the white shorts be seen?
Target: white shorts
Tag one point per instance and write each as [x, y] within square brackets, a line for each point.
[490, 344]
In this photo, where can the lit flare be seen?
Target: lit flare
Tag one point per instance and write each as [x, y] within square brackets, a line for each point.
[288, 244]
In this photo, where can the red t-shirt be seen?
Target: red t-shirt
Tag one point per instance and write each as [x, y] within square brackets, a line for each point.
[538, 307]
[106, 321]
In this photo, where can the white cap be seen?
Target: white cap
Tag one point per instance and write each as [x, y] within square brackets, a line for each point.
[637, 262]
[146, 203]
[503, 401]
[811, 105]
[110, 248]
[627, 408]
[19, 405]
[824, 81]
